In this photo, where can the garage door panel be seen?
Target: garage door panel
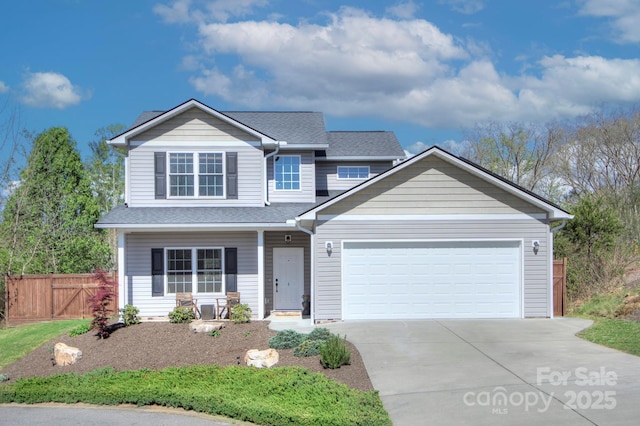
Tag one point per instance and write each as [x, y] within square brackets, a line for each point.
[431, 280]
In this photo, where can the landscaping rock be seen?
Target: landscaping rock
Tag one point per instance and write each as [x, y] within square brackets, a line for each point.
[66, 355]
[266, 358]
[200, 326]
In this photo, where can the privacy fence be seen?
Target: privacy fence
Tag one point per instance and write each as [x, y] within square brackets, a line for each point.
[559, 287]
[32, 298]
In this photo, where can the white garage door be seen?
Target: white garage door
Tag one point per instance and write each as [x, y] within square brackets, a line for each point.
[386, 280]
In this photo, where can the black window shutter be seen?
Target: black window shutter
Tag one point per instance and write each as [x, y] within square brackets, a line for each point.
[157, 272]
[160, 168]
[232, 175]
[231, 268]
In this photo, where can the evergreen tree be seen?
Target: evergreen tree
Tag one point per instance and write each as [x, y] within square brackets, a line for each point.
[48, 220]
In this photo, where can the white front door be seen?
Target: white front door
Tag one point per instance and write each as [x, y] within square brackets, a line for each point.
[288, 277]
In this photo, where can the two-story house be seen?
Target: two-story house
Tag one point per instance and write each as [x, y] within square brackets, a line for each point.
[274, 206]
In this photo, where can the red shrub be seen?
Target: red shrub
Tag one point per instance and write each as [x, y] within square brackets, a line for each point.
[99, 303]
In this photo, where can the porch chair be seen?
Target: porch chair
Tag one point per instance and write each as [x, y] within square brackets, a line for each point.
[232, 299]
[186, 300]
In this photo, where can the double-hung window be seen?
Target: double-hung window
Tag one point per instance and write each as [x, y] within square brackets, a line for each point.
[196, 174]
[287, 172]
[202, 266]
[353, 172]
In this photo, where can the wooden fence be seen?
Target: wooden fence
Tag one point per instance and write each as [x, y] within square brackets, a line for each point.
[32, 298]
[560, 287]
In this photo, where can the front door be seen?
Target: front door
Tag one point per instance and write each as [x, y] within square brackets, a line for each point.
[288, 278]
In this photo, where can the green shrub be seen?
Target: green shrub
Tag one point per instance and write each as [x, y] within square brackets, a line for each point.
[286, 339]
[319, 333]
[3, 378]
[214, 333]
[181, 315]
[283, 396]
[80, 330]
[334, 353]
[241, 313]
[130, 315]
[309, 347]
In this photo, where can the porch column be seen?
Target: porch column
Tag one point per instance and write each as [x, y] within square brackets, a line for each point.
[122, 284]
[261, 274]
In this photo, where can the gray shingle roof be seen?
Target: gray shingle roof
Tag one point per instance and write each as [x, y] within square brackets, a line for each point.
[276, 213]
[293, 127]
[363, 144]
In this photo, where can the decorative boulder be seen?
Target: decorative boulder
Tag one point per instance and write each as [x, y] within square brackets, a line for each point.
[266, 358]
[66, 355]
[200, 326]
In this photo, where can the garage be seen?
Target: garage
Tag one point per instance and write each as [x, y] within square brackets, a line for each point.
[423, 279]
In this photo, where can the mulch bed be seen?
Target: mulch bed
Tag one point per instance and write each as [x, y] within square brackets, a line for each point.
[157, 345]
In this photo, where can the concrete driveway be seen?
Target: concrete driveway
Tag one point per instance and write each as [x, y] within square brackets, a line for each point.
[477, 372]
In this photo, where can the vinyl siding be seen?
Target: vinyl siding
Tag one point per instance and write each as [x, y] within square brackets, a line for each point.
[432, 186]
[307, 192]
[138, 267]
[327, 173]
[195, 125]
[276, 240]
[329, 272]
[141, 176]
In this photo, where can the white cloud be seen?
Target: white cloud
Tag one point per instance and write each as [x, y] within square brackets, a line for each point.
[405, 10]
[468, 7]
[356, 64]
[3, 87]
[49, 90]
[180, 11]
[624, 15]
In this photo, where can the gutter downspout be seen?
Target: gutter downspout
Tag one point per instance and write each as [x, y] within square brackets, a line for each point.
[559, 227]
[312, 267]
[266, 165]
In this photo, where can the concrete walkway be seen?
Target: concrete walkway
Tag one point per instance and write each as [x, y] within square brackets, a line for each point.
[496, 372]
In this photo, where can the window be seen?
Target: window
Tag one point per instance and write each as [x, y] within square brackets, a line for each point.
[179, 271]
[209, 271]
[206, 271]
[209, 176]
[181, 175]
[287, 172]
[353, 172]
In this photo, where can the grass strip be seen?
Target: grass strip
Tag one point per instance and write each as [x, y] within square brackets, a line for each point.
[16, 342]
[618, 334]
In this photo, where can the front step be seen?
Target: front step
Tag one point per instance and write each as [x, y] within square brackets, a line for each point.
[286, 315]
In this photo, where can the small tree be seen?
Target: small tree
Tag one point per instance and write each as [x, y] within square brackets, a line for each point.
[99, 304]
[594, 244]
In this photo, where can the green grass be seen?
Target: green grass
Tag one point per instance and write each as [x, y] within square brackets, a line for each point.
[277, 396]
[618, 334]
[16, 342]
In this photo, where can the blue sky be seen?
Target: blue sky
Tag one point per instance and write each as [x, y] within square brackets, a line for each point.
[423, 69]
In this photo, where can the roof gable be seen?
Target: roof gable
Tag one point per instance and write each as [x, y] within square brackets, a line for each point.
[386, 182]
[153, 118]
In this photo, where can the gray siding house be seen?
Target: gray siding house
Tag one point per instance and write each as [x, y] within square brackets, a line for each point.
[272, 205]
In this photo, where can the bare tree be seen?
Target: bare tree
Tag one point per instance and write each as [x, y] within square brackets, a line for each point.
[603, 155]
[521, 152]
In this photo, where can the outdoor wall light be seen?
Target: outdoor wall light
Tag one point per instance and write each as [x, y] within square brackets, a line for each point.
[329, 246]
[536, 246]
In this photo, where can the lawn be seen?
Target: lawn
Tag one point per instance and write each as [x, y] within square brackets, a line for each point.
[16, 342]
[619, 334]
